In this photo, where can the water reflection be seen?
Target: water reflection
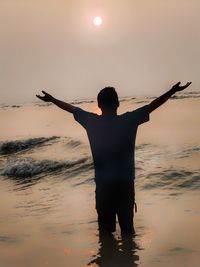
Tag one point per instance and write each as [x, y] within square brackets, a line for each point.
[116, 252]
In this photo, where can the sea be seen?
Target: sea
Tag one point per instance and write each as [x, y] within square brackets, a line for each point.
[47, 207]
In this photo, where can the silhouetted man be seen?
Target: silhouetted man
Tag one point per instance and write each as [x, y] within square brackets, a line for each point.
[112, 142]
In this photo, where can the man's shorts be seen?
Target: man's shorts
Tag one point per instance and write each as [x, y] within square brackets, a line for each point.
[112, 200]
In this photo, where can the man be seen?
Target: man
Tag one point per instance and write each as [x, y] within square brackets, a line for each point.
[112, 142]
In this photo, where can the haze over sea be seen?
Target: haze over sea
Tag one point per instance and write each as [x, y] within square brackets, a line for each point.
[47, 210]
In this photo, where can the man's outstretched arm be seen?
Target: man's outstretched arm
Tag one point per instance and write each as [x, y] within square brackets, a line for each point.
[63, 105]
[163, 98]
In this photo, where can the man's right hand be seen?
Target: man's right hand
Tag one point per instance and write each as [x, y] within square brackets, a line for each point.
[63, 105]
[46, 98]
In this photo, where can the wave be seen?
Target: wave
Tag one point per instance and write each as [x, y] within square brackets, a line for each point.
[194, 94]
[43, 104]
[22, 168]
[9, 147]
[190, 151]
[186, 95]
[75, 102]
[7, 239]
[179, 95]
[73, 143]
[144, 146]
[172, 179]
[9, 106]
[142, 102]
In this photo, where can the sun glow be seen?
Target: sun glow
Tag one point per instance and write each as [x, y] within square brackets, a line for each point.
[97, 21]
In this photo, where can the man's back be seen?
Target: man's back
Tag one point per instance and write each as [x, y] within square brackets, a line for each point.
[112, 141]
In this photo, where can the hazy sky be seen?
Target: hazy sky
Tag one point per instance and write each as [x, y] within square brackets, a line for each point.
[142, 47]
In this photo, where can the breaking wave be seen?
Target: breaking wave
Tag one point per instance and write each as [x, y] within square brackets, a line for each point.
[22, 168]
[9, 147]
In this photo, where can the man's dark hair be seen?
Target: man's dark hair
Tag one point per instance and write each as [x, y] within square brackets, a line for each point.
[108, 98]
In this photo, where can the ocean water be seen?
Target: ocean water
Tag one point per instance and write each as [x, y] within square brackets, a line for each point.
[47, 210]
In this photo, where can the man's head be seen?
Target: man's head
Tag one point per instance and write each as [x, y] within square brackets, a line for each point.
[108, 99]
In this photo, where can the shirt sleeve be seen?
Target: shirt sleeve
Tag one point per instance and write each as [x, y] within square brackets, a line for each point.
[141, 115]
[82, 117]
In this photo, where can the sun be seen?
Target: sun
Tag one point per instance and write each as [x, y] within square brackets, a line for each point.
[97, 21]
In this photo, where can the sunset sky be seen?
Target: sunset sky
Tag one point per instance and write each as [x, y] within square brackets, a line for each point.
[142, 47]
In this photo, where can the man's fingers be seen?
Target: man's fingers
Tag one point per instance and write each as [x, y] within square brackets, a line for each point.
[176, 84]
[186, 85]
[40, 97]
[178, 87]
[44, 92]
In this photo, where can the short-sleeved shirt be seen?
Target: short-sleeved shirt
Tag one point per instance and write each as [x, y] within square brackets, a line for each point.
[112, 142]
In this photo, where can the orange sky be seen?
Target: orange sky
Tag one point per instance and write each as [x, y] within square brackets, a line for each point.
[141, 48]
